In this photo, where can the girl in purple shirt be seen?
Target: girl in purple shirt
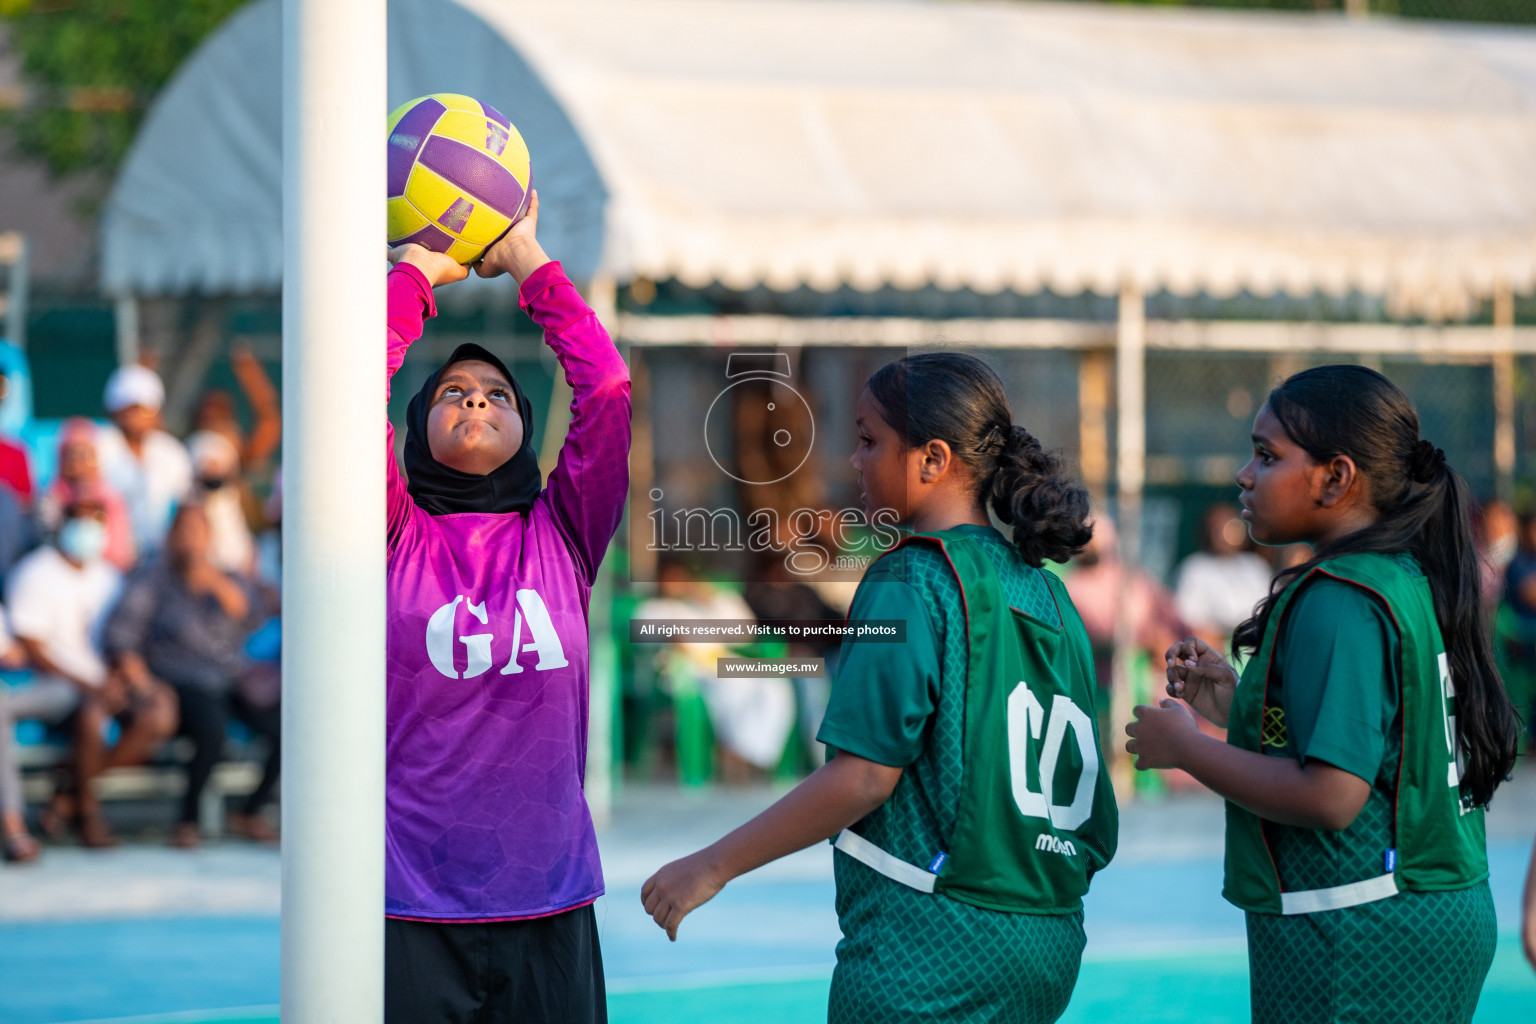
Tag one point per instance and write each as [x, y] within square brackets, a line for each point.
[491, 860]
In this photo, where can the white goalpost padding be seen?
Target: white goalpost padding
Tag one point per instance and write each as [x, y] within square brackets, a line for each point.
[334, 109]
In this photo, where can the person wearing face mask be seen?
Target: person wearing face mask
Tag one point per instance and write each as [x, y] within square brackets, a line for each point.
[59, 597]
[222, 494]
[79, 471]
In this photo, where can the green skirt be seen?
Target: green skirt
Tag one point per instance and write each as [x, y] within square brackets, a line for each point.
[1414, 958]
[908, 955]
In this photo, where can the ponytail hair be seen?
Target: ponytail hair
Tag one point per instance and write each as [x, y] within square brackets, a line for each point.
[958, 399]
[1423, 508]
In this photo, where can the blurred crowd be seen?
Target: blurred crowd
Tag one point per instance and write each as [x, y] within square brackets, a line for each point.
[141, 606]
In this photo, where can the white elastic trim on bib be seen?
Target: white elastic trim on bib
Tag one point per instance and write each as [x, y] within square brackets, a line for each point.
[1312, 901]
[866, 852]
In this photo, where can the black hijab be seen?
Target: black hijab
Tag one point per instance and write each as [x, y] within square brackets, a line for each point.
[442, 490]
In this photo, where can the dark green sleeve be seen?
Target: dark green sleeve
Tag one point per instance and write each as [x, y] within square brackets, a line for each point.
[1339, 665]
[884, 694]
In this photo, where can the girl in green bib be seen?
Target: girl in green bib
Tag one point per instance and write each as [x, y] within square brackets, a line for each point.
[965, 792]
[1369, 728]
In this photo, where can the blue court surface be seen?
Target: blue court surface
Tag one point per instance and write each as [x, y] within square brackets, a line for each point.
[154, 937]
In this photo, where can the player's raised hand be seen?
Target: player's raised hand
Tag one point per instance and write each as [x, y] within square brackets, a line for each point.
[1200, 676]
[517, 252]
[1158, 733]
[439, 268]
[677, 889]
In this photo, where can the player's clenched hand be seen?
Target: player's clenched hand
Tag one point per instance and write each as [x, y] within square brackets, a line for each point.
[678, 888]
[1158, 734]
[1198, 674]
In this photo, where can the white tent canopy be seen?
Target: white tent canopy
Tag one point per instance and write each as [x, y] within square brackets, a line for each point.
[910, 143]
[198, 206]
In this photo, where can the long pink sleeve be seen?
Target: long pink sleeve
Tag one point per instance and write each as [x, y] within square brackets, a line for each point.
[590, 482]
[410, 306]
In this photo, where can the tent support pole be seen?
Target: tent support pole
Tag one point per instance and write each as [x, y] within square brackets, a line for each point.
[333, 709]
[126, 319]
[1093, 398]
[1504, 391]
[16, 252]
[1130, 473]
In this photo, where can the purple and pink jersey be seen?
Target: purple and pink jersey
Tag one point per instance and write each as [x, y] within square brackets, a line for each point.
[486, 817]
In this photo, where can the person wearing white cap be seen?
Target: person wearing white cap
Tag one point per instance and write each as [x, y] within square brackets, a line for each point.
[146, 465]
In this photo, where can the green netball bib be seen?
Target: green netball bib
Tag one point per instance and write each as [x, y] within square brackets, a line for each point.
[1037, 815]
[1439, 842]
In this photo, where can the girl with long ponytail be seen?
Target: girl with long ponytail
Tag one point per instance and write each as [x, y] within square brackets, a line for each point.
[1369, 728]
[966, 796]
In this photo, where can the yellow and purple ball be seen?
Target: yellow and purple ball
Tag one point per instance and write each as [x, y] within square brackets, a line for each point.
[459, 175]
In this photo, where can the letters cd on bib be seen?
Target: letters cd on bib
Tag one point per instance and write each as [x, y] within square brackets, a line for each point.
[1037, 815]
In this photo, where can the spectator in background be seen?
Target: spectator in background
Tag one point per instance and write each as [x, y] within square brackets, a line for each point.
[1094, 586]
[15, 466]
[16, 843]
[148, 467]
[1498, 539]
[59, 597]
[185, 621]
[216, 411]
[79, 473]
[1220, 584]
[221, 491]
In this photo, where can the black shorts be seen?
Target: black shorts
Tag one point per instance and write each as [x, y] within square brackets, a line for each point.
[548, 969]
